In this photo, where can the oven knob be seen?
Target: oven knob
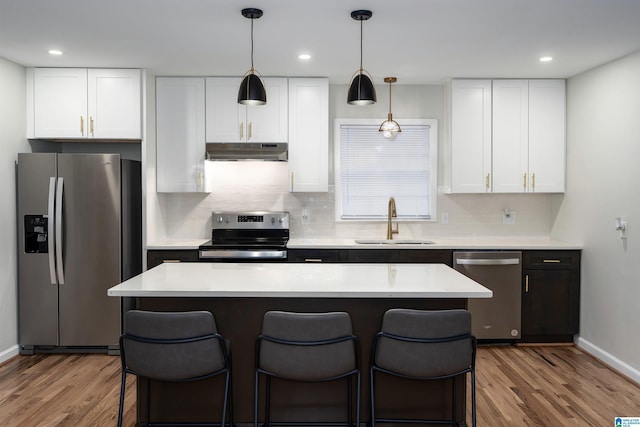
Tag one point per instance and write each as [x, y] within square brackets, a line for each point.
[219, 219]
[273, 220]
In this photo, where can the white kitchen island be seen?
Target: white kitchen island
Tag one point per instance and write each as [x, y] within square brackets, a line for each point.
[239, 294]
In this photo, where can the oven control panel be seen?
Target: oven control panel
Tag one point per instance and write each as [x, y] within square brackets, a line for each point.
[250, 220]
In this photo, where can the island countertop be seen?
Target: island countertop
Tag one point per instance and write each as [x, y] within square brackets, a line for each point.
[290, 280]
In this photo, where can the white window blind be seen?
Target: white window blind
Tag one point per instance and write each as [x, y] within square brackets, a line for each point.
[372, 169]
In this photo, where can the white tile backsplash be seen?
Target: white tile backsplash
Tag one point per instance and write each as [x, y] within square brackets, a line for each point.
[254, 186]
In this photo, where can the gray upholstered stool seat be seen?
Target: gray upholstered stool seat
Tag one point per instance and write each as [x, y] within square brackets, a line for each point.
[174, 346]
[308, 347]
[424, 345]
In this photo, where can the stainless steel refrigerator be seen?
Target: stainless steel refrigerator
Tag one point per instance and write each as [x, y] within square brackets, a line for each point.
[79, 233]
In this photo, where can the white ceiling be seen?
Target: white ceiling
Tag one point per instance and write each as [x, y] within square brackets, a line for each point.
[419, 41]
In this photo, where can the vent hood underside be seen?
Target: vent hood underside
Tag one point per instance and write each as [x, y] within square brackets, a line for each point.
[247, 151]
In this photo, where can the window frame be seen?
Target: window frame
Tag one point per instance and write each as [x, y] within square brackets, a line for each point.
[433, 163]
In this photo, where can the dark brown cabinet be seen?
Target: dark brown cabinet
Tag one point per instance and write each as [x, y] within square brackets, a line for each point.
[550, 296]
[158, 256]
[317, 255]
[424, 256]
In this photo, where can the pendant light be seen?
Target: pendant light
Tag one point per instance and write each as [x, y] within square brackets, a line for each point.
[252, 90]
[361, 91]
[390, 127]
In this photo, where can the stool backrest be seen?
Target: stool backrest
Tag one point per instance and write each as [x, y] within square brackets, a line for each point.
[171, 346]
[307, 346]
[425, 343]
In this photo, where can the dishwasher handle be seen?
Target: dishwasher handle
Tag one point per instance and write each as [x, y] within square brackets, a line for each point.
[488, 261]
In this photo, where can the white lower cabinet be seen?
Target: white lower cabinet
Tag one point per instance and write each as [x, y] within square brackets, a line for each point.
[180, 134]
[308, 134]
[508, 136]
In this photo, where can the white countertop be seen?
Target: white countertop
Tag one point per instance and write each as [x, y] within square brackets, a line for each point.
[461, 243]
[292, 280]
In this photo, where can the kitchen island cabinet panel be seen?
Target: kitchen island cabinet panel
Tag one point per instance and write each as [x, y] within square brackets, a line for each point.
[550, 296]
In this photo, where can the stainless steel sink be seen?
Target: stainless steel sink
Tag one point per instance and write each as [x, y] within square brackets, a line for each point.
[394, 242]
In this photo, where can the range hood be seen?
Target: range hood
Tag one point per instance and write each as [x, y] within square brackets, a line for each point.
[247, 151]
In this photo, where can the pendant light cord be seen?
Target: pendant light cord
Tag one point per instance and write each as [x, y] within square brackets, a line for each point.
[252, 45]
[361, 47]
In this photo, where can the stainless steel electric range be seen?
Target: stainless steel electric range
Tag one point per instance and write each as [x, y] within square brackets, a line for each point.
[247, 237]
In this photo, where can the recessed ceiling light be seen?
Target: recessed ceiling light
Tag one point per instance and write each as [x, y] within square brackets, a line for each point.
[304, 56]
[546, 59]
[55, 52]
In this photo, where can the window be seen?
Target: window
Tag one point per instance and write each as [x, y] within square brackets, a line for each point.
[369, 169]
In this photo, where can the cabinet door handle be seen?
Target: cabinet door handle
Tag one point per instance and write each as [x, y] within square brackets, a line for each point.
[250, 130]
[241, 131]
[533, 181]
[526, 284]
[81, 125]
[200, 180]
[313, 260]
[488, 182]
[524, 182]
[171, 260]
[91, 125]
[554, 261]
[291, 181]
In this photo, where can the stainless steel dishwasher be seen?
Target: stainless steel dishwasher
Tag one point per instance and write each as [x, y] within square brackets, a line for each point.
[497, 318]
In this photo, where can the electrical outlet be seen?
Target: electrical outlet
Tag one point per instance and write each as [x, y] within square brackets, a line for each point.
[508, 216]
[444, 218]
[305, 216]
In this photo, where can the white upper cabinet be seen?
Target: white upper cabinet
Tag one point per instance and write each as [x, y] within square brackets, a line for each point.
[510, 126]
[547, 133]
[471, 136]
[180, 130]
[508, 136]
[228, 121]
[308, 134]
[80, 103]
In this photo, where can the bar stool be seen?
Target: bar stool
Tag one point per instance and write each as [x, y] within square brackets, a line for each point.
[307, 347]
[174, 346]
[424, 345]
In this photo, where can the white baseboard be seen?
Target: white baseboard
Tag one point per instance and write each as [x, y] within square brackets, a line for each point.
[9, 353]
[615, 363]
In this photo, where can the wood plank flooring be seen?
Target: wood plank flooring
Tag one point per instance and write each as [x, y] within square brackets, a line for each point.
[516, 386]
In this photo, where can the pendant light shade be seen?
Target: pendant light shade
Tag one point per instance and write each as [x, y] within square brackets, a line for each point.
[390, 127]
[252, 90]
[361, 91]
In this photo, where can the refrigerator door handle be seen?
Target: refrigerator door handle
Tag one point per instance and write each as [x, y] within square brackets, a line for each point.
[50, 226]
[59, 242]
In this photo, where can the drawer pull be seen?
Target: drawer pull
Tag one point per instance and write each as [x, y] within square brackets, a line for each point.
[171, 260]
[312, 260]
[553, 261]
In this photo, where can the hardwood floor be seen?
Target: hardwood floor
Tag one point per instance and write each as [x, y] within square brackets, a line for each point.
[516, 386]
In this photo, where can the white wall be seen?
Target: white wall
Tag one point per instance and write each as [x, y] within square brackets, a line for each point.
[263, 186]
[603, 173]
[12, 141]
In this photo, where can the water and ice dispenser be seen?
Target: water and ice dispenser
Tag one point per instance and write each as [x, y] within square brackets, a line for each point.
[36, 234]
